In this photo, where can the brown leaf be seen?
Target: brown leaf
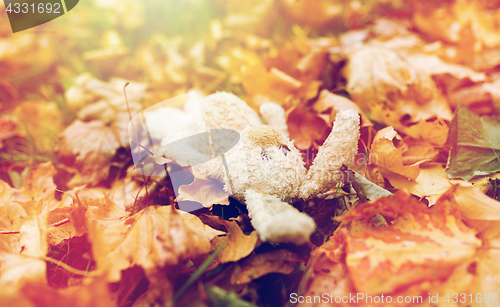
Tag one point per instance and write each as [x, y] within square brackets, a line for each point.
[104, 211]
[237, 246]
[306, 128]
[89, 147]
[204, 191]
[96, 292]
[152, 238]
[418, 151]
[23, 260]
[39, 184]
[278, 261]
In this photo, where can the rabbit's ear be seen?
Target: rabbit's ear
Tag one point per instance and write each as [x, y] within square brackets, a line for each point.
[340, 148]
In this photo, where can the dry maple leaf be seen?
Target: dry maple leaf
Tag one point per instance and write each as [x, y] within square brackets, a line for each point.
[292, 73]
[420, 246]
[152, 238]
[395, 88]
[277, 261]
[22, 260]
[389, 74]
[475, 205]
[104, 211]
[329, 103]
[38, 185]
[94, 292]
[390, 157]
[430, 183]
[89, 147]
[204, 191]
[435, 131]
[306, 128]
[237, 245]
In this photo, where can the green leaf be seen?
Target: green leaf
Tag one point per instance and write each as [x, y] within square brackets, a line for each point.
[475, 145]
[222, 298]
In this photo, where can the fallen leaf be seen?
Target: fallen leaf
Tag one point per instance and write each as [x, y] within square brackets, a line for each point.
[331, 104]
[23, 260]
[98, 100]
[237, 246]
[306, 128]
[43, 122]
[197, 225]
[475, 205]
[89, 147]
[95, 292]
[152, 238]
[435, 131]
[433, 65]
[104, 211]
[389, 74]
[421, 246]
[390, 157]
[278, 261]
[475, 145]
[420, 151]
[205, 191]
[39, 184]
[430, 184]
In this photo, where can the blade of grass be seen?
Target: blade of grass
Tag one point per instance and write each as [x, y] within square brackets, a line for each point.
[200, 271]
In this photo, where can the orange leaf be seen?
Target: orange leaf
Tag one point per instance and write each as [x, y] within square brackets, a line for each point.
[237, 246]
[152, 238]
[332, 103]
[306, 128]
[390, 157]
[422, 245]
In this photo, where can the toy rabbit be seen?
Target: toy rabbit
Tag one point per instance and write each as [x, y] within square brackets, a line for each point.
[266, 172]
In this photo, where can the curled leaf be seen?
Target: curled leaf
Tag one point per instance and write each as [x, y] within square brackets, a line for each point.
[389, 156]
[278, 261]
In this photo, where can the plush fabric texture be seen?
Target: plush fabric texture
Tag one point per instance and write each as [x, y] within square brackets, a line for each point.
[277, 221]
[272, 165]
[273, 115]
[340, 147]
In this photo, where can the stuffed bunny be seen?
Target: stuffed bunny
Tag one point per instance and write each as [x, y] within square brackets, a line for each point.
[266, 172]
